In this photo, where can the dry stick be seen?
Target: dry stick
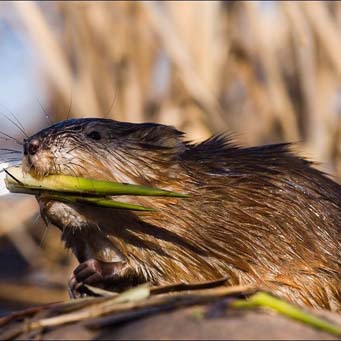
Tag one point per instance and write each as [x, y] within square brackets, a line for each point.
[25, 313]
[75, 304]
[63, 307]
[100, 292]
[263, 107]
[326, 30]
[85, 88]
[110, 305]
[185, 286]
[180, 57]
[278, 94]
[162, 289]
[125, 316]
[305, 51]
[98, 25]
[137, 313]
[325, 27]
[200, 28]
[55, 62]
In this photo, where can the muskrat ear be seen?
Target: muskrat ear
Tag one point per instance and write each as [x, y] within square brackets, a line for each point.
[159, 136]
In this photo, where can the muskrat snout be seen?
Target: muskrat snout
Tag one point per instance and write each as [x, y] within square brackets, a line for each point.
[31, 147]
[37, 160]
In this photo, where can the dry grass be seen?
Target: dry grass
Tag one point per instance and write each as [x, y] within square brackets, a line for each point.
[205, 67]
[268, 75]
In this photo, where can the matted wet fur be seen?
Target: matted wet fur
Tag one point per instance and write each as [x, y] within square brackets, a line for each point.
[257, 215]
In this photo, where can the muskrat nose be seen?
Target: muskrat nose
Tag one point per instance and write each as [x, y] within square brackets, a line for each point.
[31, 147]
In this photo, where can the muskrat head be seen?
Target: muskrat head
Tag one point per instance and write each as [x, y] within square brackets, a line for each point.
[104, 149]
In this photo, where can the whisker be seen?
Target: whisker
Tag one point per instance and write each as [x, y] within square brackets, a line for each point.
[12, 138]
[5, 138]
[44, 111]
[9, 160]
[70, 105]
[15, 118]
[15, 124]
[54, 165]
[19, 123]
[11, 150]
[72, 149]
[65, 140]
[84, 147]
[122, 157]
[77, 165]
[112, 104]
[71, 170]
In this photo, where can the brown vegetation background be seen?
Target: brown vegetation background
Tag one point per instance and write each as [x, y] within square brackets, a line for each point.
[266, 71]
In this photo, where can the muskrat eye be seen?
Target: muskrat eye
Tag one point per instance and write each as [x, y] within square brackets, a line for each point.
[95, 135]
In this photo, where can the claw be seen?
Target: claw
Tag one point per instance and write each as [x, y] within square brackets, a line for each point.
[92, 272]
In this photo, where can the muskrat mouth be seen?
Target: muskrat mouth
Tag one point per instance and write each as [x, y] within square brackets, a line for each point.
[35, 172]
[39, 165]
[71, 189]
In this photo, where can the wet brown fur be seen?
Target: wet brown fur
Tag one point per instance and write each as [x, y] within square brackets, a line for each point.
[258, 215]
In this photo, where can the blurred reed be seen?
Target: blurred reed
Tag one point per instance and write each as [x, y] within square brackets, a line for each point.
[268, 71]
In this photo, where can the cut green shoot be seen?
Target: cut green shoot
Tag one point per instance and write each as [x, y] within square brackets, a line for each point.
[265, 300]
[95, 201]
[77, 185]
[72, 189]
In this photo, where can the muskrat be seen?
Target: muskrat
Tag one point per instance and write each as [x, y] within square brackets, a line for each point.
[255, 215]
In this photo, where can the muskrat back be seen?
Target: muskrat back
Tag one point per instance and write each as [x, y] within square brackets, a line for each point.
[257, 215]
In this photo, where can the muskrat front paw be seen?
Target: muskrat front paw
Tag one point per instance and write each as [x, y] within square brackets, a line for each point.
[94, 273]
[89, 272]
[76, 289]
